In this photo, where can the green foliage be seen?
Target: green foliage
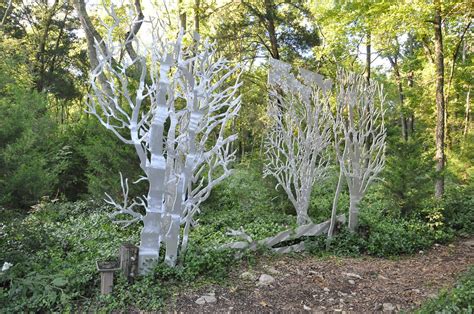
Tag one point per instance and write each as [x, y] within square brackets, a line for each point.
[29, 163]
[53, 252]
[409, 172]
[458, 206]
[245, 200]
[105, 156]
[344, 243]
[396, 237]
[460, 299]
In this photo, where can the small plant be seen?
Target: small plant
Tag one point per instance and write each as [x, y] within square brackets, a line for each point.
[460, 299]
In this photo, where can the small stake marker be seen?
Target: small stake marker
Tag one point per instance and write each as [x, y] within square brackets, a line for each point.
[106, 269]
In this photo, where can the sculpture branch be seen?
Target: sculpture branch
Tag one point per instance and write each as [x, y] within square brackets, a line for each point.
[299, 133]
[360, 133]
[176, 116]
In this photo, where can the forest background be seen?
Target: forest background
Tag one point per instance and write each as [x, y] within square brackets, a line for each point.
[54, 155]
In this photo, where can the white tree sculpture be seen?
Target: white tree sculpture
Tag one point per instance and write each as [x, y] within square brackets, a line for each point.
[359, 133]
[176, 117]
[299, 132]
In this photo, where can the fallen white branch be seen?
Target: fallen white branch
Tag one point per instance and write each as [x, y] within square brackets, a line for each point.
[309, 230]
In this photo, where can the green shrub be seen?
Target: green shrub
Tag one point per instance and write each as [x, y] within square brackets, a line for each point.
[53, 251]
[459, 209]
[396, 237]
[344, 243]
[460, 299]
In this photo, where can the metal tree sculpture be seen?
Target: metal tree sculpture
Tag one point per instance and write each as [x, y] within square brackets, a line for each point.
[299, 132]
[359, 133]
[176, 117]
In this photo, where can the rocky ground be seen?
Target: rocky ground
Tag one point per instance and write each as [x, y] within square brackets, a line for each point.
[307, 283]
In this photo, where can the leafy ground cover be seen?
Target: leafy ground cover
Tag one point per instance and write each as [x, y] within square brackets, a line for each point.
[54, 247]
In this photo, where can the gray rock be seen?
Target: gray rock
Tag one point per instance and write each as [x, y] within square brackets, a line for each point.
[326, 289]
[207, 298]
[265, 280]
[469, 243]
[352, 275]
[388, 307]
[352, 282]
[249, 276]
[271, 270]
[378, 307]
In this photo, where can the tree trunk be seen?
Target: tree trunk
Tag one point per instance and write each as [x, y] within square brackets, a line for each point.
[411, 119]
[466, 115]
[368, 58]
[197, 17]
[401, 97]
[182, 15]
[269, 8]
[447, 131]
[440, 110]
[42, 53]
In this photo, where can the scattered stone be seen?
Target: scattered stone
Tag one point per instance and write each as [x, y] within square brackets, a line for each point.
[388, 307]
[469, 243]
[265, 280]
[378, 307]
[451, 245]
[416, 290]
[326, 289]
[437, 245]
[382, 277]
[207, 298]
[271, 270]
[352, 282]
[421, 252]
[249, 276]
[352, 275]
[306, 308]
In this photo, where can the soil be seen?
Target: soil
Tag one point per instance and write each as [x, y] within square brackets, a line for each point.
[306, 283]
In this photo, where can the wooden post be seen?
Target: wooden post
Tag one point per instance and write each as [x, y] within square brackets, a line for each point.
[106, 270]
[129, 261]
[106, 281]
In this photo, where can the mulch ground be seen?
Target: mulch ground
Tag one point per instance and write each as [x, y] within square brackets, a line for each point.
[363, 284]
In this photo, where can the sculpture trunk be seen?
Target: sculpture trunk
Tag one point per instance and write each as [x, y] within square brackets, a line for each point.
[354, 212]
[180, 156]
[151, 234]
[174, 217]
[302, 212]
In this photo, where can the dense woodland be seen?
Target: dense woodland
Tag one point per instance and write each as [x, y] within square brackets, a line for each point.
[57, 161]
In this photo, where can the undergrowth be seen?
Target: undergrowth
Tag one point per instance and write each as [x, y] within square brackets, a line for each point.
[53, 249]
[460, 299]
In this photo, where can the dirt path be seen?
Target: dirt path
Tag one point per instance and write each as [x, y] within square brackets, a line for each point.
[337, 284]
